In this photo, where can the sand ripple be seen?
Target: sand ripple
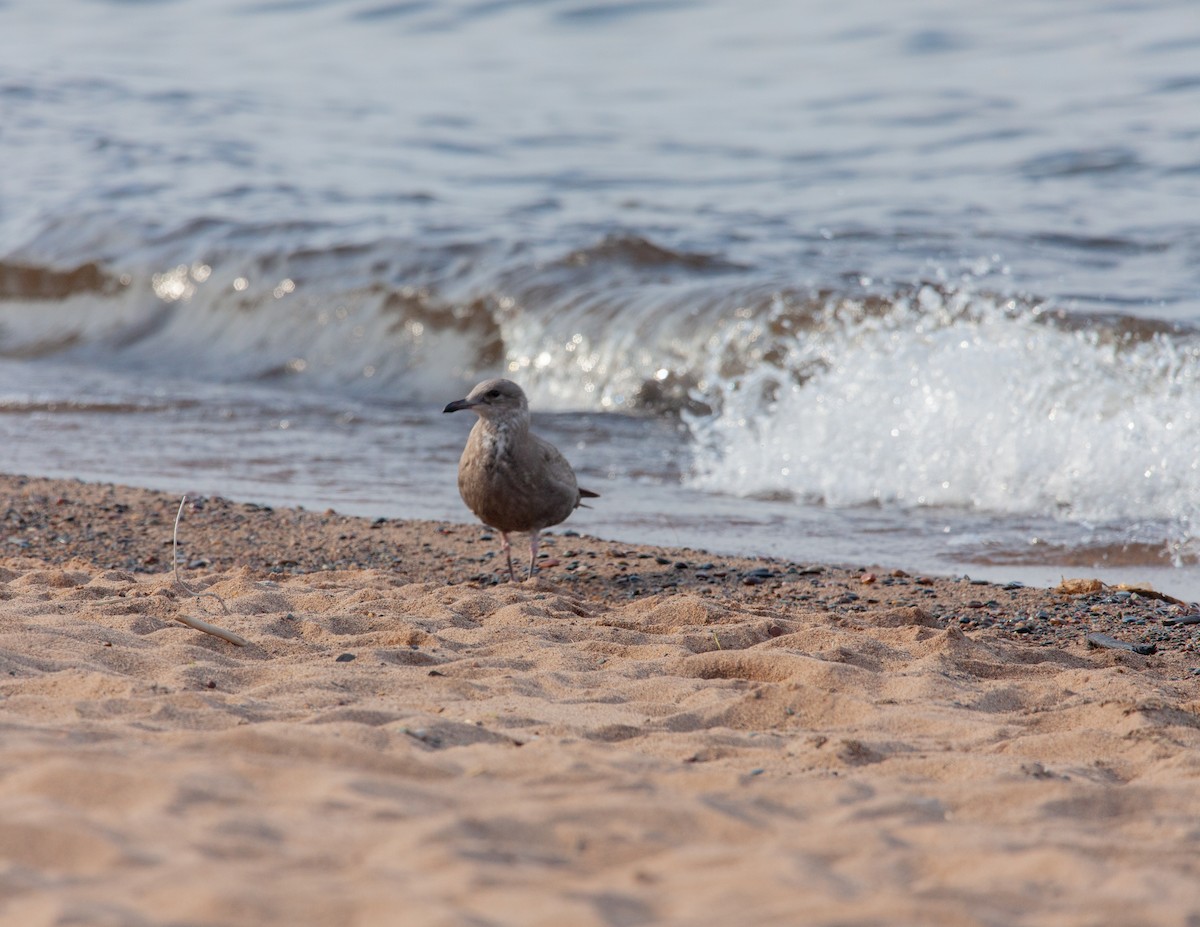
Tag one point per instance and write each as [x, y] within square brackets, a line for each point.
[387, 752]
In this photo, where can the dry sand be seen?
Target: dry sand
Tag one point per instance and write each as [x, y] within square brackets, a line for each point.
[405, 741]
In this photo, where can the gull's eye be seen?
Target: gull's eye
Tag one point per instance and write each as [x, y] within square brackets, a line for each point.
[493, 394]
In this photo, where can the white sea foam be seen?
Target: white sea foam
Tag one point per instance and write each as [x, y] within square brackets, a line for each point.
[961, 401]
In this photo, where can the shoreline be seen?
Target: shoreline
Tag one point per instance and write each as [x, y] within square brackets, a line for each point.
[639, 735]
[129, 528]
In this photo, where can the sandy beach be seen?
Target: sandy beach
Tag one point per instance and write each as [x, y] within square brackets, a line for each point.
[636, 736]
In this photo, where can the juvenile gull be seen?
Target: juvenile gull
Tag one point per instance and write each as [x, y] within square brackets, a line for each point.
[508, 476]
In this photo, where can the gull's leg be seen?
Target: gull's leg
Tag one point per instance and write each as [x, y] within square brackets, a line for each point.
[533, 545]
[506, 546]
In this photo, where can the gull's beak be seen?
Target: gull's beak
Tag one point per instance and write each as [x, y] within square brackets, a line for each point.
[458, 405]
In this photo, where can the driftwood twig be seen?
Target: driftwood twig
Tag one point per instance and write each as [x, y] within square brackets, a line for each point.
[175, 564]
[191, 622]
[213, 630]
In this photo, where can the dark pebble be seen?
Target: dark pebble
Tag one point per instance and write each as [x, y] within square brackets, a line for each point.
[344, 658]
[1111, 643]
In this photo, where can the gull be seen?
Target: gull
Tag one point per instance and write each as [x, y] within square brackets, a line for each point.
[509, 477]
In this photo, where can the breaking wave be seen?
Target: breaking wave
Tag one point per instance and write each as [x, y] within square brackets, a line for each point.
[958, 399]
[928, 394]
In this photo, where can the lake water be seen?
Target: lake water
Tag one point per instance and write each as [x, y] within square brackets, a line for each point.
[913, 284]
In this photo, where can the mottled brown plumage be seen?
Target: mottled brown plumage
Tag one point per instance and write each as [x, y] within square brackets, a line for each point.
[508, 476]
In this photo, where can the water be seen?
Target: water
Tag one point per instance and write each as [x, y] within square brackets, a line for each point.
[911, 284]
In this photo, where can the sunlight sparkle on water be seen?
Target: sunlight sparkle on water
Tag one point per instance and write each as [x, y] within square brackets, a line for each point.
[174, 284]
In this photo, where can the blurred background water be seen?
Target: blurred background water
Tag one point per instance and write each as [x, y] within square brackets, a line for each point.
[913, 284]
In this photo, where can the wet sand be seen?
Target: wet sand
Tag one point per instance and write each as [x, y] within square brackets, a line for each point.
[637, 736]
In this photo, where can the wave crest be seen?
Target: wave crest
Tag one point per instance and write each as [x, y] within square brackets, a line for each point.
[953, 398]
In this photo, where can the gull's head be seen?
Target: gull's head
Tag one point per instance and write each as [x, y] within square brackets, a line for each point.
[499, 401]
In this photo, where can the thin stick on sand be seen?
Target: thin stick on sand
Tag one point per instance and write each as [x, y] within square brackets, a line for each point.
[197, 623]
[213, 630]
[175, 564]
